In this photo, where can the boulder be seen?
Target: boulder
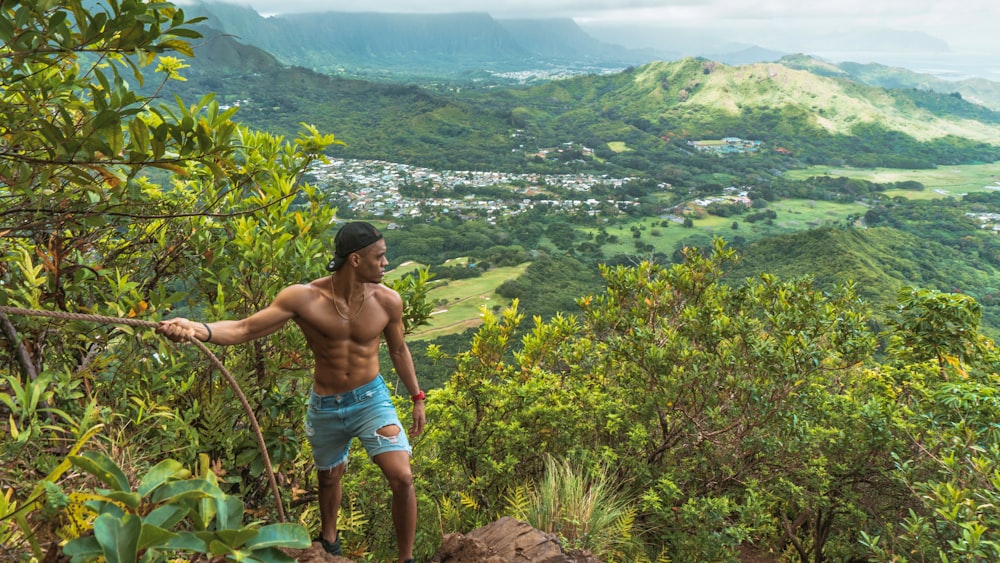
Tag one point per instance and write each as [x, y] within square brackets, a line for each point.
[507, 540]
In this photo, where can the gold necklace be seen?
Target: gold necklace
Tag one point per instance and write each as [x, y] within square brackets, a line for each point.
[364, 296]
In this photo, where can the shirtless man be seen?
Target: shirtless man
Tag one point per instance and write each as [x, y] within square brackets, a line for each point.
[343, 317]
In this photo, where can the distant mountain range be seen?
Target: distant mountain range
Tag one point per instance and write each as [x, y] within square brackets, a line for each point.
[475, 47]
[418, 45]
[797, 102]
[976, 90]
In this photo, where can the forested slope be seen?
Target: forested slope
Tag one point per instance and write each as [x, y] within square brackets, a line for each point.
[879, 261]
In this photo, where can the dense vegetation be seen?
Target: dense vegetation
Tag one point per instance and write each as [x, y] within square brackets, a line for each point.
[716, 412]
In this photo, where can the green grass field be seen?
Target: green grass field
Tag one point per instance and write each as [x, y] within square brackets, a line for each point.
[401, 270]
[793, 215]
[458, 302]
[800, 214]
[944, 181]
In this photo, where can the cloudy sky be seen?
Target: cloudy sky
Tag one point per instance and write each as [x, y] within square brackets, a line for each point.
[971, 26]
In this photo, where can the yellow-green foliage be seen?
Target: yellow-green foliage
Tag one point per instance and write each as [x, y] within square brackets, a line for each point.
[876, 259]
[672, 378]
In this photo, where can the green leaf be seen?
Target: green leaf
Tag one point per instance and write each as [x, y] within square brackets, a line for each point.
[187, 33]
[6, 30]
[167, 515]
[130, 500]
[232, 538]
[159, 475]
[223, 548]
[83, 549]
[285, 534]
[101, 466]
[187, 541]
[186, 490]
[229, 513]
[271, 555]
[139, 132]
[119, 539]
[154, 536]
[57, 19]
[178, 45]
[107, 119]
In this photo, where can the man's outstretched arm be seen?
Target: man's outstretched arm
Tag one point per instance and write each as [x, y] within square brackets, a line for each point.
[261, 323]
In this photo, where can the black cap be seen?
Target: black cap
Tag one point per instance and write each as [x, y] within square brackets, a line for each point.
[351, 238]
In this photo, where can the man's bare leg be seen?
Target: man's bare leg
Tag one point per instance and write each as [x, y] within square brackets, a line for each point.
[330, 494]
[396, 467]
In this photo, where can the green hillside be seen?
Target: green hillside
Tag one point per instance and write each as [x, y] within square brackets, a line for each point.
[695, 96]
[879, 260]
[635, 120]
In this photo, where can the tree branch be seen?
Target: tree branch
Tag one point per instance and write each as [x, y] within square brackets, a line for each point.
[18, 348]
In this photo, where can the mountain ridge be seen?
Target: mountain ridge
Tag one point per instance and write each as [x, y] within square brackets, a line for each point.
[474, 47]
[643, 106]
[976, 90]
[446, 44]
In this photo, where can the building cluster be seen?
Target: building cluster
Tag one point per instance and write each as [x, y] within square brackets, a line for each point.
[726, 145]
[989, 221]
[374, 188]
[730, 195]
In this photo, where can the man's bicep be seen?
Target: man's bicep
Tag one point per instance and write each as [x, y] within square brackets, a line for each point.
[263, 322]
[272, 317]
[393, 333]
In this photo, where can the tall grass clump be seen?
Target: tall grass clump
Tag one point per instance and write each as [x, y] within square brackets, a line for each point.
[582, 508]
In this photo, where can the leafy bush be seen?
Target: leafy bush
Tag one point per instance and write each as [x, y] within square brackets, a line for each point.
[171, 513]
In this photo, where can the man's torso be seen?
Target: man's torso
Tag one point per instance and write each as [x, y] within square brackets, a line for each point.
[344, 340]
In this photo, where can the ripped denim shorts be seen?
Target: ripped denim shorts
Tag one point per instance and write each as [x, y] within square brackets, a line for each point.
[332, 421]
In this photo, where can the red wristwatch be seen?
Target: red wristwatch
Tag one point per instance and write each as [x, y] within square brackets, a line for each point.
[419, 396]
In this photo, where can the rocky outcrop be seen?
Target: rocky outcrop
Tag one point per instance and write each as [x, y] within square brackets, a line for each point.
[504, 541]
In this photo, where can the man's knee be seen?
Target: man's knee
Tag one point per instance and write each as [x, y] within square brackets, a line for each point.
[332, 476]
[401, 482]
[395, 465]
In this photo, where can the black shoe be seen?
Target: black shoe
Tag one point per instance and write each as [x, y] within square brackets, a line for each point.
[333, 548]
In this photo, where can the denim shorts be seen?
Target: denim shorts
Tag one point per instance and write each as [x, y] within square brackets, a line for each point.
[332, 421]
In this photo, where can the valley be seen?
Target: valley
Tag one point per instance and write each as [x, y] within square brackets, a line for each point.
[393, 195]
